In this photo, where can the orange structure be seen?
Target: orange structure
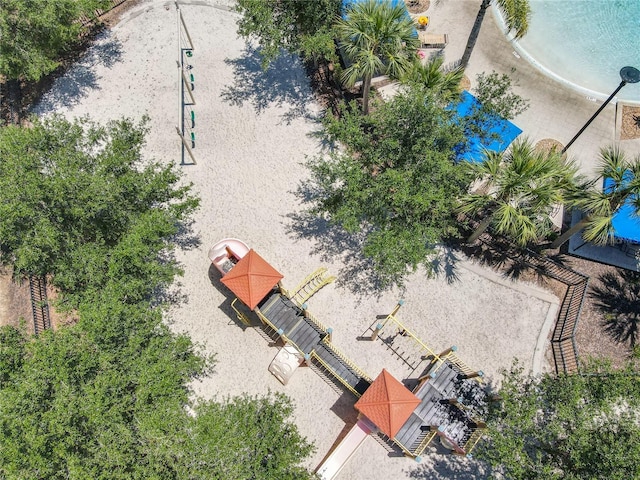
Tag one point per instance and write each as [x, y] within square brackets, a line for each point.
[387, 403]
[251, 279]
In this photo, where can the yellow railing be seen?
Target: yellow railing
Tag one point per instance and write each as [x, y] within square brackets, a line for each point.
[310, 286]
[330, 369]
[241, 316]
[473, 440]
[342, 357]
[315, 321]
[424, 443]
[453, 358]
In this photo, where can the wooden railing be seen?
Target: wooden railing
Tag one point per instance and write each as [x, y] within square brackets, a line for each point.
[39, 303]
[87, 20]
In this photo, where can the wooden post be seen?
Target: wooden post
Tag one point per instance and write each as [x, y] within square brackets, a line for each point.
[377, 331]
[467, 376]
[188, 88]
[449, 350]
[427, 376]
[186, 30]
[186, 145]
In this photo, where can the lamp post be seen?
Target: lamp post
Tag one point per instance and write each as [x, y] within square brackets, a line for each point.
[628, 75]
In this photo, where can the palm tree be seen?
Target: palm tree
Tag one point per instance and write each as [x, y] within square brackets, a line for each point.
[600, 205]
[516, 15]
[445, 83]
[518, 191]
[377, 38]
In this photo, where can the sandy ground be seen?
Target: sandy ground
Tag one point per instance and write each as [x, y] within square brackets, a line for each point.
[253, 130]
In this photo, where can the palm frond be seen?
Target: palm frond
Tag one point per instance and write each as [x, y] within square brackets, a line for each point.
[516, 15]
[599, 230]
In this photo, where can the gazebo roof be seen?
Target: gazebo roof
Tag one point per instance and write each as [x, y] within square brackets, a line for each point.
[251, 279]
[387, 403]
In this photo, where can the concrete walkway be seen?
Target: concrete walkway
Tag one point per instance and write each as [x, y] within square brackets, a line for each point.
[555, 112]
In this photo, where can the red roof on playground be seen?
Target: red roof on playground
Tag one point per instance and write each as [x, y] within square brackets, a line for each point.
[387, 403]
[251, 279]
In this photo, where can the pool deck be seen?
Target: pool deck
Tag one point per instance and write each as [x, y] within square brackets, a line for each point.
[555, 111]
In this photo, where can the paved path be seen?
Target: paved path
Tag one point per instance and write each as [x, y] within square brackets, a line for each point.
[555, 112]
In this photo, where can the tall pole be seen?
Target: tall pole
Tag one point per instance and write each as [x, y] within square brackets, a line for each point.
[593, 117]
[628, 75]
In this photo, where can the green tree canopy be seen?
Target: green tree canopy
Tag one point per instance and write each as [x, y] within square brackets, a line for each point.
[395, 180]
[291, 25]
[377, 38]
[34, 34]
[568, 427]
[107, 397]
[80, 405]
[444, 82]
[84, 190]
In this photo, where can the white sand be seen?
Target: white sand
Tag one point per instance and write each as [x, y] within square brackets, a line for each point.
[249, 154]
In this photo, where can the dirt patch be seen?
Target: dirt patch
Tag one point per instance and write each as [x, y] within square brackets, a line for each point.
[592, 338]
[630, 123]
[465, 83]
[418, 6]
[15, 301]
[547, 144]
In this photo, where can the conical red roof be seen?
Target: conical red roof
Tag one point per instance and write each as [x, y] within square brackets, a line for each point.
[251, 279]
[387, 403]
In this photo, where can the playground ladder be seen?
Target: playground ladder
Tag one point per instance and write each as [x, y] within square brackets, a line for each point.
[310, 285]
[39, 303]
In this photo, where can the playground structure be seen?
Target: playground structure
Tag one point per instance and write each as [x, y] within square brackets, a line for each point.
[448, 400]
[225, 254]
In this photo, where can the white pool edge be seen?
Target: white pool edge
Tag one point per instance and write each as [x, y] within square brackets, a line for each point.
[589, 94]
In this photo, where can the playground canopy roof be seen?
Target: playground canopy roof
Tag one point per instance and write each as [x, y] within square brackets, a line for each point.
[387, 403]
[251, 279]
[501, 132]
[626, 223]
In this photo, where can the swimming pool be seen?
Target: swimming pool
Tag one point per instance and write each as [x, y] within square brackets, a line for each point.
[585, 43]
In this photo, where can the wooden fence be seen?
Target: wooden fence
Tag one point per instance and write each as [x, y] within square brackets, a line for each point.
[89, 19]
[39, 303]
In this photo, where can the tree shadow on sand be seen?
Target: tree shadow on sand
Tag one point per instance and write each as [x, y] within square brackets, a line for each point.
[618, 298]
[283, 84]
[70, 88]
[441, 465]
[333, 242]
[357, 274]
[507, 259]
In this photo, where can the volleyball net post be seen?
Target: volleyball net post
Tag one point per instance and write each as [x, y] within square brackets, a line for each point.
[185, 130]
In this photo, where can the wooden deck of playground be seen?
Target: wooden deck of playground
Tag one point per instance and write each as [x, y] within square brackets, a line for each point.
[296, 326]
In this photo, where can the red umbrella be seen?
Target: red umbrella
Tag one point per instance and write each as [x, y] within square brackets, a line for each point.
[387, 403]
[251, 279]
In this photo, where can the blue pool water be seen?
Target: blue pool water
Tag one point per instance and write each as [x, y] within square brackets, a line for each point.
[585, 43]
